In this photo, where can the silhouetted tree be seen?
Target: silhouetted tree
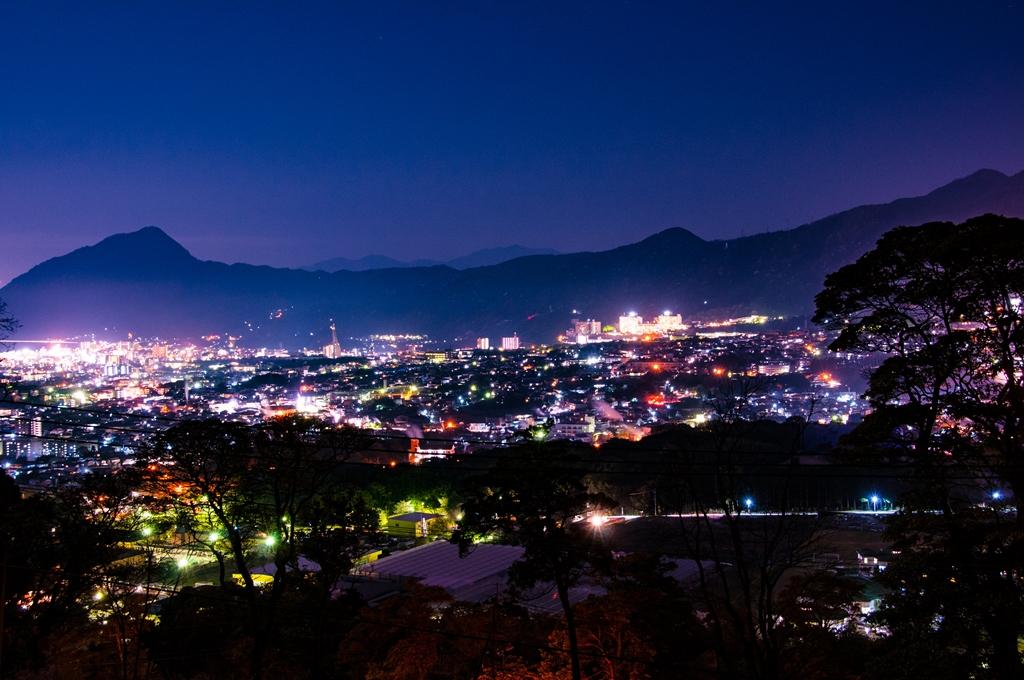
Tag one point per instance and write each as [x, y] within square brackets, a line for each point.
[942, 303]
[8, 324]
[270, 493]
[535, 497]
[61, 553]
[733, 503]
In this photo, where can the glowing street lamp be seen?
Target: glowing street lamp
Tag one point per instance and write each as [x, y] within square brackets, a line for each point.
[748, 502]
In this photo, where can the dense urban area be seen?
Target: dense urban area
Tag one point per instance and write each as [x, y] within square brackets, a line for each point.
[74, 405]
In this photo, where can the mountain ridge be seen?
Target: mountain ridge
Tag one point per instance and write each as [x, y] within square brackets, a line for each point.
[478, 258]
[147, 283]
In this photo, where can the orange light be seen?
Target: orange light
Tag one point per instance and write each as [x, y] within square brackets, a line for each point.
[825, 376]
[393, 463]
[718, 370]
[450, 425]
[655, 367]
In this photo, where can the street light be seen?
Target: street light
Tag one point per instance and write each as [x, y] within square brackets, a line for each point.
[748, 502]
[874, 501]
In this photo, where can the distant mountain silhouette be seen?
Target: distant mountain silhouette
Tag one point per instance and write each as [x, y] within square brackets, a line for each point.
[147, 283]
[478, 258]
[488, 256]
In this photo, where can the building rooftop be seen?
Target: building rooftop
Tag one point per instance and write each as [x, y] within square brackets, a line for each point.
[439, 564]
[414, 517]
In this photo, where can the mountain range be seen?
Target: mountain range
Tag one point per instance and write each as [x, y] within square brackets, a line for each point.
[147, 283]
[478, 258]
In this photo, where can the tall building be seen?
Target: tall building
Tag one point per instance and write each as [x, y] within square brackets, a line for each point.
[37, 427]
[588, 327]
[510, 342]
[483, 343]
[666, 322]
[333, 350]
[630, 324]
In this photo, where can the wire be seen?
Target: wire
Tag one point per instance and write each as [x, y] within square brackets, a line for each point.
[670, 468]
[602, 461]
[371, 435]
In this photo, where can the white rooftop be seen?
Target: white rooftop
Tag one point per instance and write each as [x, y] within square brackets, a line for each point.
[439, 564]
[477, 577]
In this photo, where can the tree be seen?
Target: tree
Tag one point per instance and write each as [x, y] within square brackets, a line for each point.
[60, 560]
[734, 509]
[535, 497]
[203, 467]
[643, 626]
[942, 304]
[273, 492]
[8, 324]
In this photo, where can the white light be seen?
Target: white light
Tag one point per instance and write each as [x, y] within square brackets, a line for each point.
[749, 502]
[598, 520]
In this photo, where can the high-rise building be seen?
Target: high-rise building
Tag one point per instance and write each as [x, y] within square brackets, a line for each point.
[588, 327]
[666, 322]
[483, 343]
[333, 350]
[630, 324]
[510, 342]
[37, 427]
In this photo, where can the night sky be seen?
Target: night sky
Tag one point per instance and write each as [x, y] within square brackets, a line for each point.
[288, 133]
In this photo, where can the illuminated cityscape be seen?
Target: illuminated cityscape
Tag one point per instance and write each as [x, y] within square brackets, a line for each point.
[605, 385]
[511, 341]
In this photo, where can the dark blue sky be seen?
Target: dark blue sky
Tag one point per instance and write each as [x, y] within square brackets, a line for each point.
[289, 132]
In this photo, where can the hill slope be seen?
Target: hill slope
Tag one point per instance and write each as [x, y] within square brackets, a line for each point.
[478, 258]
[147, 283]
